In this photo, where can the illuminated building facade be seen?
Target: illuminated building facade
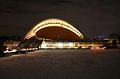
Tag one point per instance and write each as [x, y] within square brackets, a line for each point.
[59, 33]
[69, 45]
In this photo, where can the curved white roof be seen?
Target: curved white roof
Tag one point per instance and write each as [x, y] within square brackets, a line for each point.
[50, 23]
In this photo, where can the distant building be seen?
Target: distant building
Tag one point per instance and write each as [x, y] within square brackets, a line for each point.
[10, 44]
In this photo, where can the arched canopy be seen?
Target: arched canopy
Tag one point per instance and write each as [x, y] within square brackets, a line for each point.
[54, 26]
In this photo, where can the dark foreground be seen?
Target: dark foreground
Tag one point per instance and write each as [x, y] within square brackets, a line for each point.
[62, 64]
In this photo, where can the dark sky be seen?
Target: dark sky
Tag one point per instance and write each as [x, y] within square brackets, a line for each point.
[92, 17]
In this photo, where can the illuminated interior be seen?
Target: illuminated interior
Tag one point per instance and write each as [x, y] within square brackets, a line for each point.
[68, 45]
[41, 27]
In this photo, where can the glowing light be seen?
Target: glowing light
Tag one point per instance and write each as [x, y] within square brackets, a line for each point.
[60, 45]
[52, 23]
[10, 51]
[71, 44]
[43, 45]
[98, 48]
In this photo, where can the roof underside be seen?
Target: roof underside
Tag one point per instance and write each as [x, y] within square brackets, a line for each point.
[57, 33]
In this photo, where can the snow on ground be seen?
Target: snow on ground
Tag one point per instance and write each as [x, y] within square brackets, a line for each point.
[62, 64]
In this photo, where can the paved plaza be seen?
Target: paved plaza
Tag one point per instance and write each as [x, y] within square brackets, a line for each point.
[62, 64]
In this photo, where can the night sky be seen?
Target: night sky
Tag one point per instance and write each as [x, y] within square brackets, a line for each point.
[92, 17]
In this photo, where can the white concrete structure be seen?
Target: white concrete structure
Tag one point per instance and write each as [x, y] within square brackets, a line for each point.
[53, 23]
